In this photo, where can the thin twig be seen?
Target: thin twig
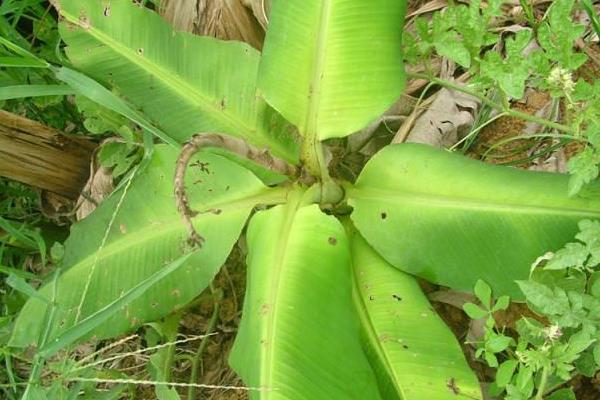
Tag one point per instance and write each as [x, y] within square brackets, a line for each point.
[175, 384]
[106, 348]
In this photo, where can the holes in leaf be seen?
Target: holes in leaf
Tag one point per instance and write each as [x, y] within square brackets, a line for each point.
[383, 215]
[140, 51]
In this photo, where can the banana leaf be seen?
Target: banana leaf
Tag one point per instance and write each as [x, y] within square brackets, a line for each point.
[452, 220]
[137, 232]
[332, 66]
[184, 83]
[299, 336]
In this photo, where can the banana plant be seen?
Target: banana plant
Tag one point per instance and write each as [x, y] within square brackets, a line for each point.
[332, 308]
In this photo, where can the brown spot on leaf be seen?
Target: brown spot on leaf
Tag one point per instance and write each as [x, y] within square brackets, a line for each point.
[396, 297]
[264, 309]
[451, 384]
[201, 165]
[106, 11]
[384, 338]
[84, 21]
[332, 241]
[176, 293]
[140, 51]
[383, 215]
[123, 228]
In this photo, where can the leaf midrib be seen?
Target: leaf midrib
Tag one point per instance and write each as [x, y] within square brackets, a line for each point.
[149, 231]
[314, 89]
[179, 86]
[458, 202]
[279, 259]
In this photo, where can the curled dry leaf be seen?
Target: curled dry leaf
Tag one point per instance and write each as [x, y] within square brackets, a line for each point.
[447, 120]
[223, 19]
[430, 6]
[97, 188]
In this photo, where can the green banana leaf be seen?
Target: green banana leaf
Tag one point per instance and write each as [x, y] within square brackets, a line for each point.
[414, 353]
[299, 336]
[184, 83]
[332, 66]
[452, 220]
[146, 234]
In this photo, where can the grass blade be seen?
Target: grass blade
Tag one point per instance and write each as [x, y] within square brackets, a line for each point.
[101, 95]
[20, 285]
[20, 91]
[591, 12]
[14, 62]
[17, 272]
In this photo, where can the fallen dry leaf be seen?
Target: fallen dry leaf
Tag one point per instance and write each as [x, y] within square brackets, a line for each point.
[447, 120]
[97, 188]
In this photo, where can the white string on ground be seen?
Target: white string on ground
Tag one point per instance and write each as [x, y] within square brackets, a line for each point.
[139, 351]
[175, 384]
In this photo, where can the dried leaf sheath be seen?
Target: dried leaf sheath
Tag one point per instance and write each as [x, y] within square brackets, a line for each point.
[236, 146]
